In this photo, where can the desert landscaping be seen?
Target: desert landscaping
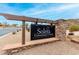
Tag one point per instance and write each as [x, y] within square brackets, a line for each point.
[60, 47]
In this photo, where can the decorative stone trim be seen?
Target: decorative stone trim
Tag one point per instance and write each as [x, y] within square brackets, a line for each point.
[60, 30]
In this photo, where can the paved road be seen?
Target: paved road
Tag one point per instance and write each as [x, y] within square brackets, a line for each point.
[4, 31]
[57, 48]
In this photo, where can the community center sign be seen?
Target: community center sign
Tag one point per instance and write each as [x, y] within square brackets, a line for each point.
[42, 31]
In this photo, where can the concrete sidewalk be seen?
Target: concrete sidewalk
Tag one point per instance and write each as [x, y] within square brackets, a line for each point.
[13, 39]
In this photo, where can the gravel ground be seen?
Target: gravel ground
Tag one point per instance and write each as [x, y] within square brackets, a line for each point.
[57, 48]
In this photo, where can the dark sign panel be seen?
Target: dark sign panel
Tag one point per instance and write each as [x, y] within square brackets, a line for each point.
[42, 31]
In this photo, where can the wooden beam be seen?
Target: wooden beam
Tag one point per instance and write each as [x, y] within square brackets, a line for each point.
[23, 32]
[24, 18]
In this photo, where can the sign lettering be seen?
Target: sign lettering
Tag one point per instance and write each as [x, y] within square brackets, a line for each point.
[42, 31]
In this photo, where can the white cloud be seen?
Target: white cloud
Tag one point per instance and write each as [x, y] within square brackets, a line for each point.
[32, 10]
[67, 7]
[76, 15]
[4, 8]
[37, 10]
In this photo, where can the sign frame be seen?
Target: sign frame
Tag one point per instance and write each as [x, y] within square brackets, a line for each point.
[39, 31]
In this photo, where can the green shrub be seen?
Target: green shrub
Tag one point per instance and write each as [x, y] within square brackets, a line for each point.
[74, 28]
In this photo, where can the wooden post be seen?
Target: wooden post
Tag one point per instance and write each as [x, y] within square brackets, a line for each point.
[23, 32]
[51, 24]
[36, 21]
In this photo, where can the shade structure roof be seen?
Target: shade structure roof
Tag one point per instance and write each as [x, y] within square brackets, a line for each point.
[24, 18]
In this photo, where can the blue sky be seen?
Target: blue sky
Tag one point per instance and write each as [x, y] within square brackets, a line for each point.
[51, 11]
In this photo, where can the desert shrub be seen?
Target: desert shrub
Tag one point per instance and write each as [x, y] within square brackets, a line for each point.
[74, 28]
[71, 33]
[17, 30]
[13, 33]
